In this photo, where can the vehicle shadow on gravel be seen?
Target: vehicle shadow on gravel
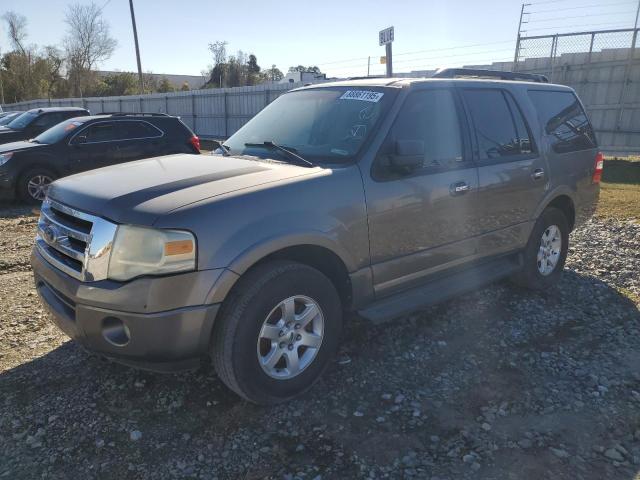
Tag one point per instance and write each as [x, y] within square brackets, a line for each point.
[499, 383]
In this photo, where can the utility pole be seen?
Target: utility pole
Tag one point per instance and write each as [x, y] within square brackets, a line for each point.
[368, 65]
[1, 86]
[517, 54]
[135, 38]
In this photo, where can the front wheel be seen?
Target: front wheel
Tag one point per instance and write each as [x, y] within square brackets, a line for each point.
[277, 332]
[546, 251]
[34, 184]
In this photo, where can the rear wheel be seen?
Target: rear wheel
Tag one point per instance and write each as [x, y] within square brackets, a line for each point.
[546, 251]
[277, 332]
[34, 184]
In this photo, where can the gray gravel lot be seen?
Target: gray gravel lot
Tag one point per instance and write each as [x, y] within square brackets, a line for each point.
[501, 383]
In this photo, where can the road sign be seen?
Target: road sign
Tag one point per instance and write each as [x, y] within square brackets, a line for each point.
[386, 36]
[383, 60]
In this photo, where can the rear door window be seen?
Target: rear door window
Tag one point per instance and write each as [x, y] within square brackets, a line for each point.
[564, 121]
[100, 132]
[500, 129]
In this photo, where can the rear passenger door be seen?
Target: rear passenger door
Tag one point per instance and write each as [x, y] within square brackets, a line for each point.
[138, 139]
[422, 217]
[512, 173]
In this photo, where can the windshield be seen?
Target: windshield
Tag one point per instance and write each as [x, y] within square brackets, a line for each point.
[8, 118]
[325, 124]
[22, 121]
[58, 132]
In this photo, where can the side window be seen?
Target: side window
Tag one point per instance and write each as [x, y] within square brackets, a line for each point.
[499, 126]
[426, 134]
[47, 120]
[128, 130]
[564, 121]
[98, 132]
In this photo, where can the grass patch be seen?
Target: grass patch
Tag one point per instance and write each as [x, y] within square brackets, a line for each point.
[620, 190]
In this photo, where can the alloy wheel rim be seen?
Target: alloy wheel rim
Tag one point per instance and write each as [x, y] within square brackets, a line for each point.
[549, 250]
[290, 337]
[38, 185]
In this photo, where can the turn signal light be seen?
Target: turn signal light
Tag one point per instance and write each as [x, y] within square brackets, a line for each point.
[179, 247]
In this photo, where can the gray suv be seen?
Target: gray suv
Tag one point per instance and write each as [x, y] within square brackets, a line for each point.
[378, 196]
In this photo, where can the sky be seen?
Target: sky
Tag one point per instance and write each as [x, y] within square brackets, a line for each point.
[336, 35]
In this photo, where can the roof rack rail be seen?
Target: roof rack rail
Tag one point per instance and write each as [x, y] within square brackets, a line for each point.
[136, 114]
[365, 77]
[476, 72]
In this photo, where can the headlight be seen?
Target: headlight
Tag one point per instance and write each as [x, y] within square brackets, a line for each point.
[148, 251]
[5, 157]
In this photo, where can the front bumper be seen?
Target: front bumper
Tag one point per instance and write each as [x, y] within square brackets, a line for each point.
[160, 324]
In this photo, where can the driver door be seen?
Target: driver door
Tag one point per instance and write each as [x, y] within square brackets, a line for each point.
[95, 146]
[421, 196]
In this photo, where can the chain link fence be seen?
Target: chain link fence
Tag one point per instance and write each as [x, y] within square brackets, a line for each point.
[604, 68]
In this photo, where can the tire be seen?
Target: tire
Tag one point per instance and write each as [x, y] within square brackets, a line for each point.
[255, 306]
[531, 275]
[29, 179]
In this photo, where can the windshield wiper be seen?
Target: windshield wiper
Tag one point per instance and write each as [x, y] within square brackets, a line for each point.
[288, 150]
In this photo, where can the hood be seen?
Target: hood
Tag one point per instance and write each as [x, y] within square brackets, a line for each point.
[141, 191]
[10, 135]
[18, 146]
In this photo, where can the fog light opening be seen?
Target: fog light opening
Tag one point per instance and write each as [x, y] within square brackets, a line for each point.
[115, 331]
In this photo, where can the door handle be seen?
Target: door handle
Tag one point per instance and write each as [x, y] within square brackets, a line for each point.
[537, 174]
[459, 188]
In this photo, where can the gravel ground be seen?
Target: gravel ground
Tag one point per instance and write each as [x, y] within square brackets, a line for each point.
[501, 383]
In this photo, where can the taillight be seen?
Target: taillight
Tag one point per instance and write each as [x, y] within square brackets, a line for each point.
[597, 168]
[195, 142]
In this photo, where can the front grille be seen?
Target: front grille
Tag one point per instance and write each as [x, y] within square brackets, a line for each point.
[75, 242]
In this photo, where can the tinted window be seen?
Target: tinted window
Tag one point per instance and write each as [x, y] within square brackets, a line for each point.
[99, 132]
[47, 120]
[131, 129]
[499, 126]
[428, 124]
[563, 120]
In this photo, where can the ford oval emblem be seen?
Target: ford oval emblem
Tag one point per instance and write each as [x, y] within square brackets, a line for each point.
[49, 233]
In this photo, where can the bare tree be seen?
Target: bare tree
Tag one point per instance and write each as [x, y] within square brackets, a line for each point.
[17, 30]
[219, 51]
[88, 41]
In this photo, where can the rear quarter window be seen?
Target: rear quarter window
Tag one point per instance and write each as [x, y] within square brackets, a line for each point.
[564, 121]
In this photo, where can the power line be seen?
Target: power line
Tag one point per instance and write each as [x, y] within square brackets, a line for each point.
[578, 16]
[581, 7]
[586, 26]
[418, 51]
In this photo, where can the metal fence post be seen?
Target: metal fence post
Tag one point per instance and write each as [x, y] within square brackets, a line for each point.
[193, 112]
[554, 46]
[226, 117]
[626, 80]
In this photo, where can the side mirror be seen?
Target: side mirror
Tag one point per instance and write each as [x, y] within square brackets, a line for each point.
[408, 156]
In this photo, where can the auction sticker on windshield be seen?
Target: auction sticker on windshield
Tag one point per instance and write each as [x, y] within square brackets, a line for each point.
[364, 95]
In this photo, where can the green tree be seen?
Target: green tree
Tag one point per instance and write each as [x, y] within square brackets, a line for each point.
[185, 87]
[119, 83]
[165, 86]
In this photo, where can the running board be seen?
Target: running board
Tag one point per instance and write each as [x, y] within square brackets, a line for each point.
[441, 289]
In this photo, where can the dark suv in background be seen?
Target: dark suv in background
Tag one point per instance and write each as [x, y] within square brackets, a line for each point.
[33, 122]
[84, 143]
